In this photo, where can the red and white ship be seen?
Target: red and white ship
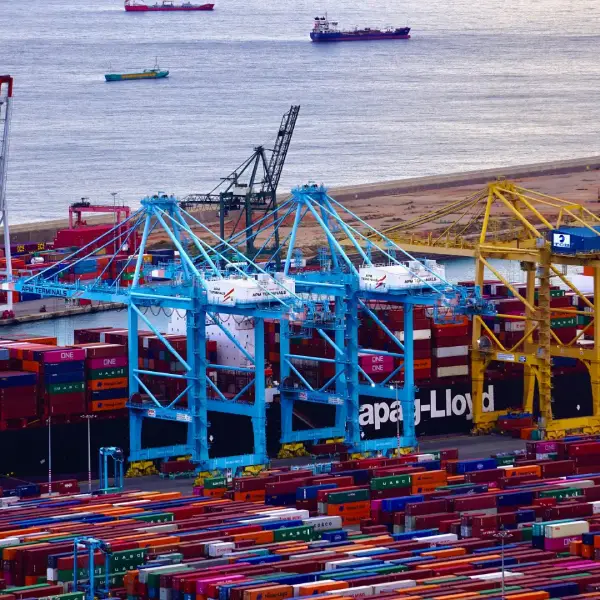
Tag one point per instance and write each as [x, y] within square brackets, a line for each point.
[164, 6]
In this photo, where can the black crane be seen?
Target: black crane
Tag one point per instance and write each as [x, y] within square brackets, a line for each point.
[252, 186]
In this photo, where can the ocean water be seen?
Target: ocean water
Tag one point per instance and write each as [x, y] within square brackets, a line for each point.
[481, 84]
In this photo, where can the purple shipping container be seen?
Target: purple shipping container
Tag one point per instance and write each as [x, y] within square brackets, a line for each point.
[58, 356]
[107, 363]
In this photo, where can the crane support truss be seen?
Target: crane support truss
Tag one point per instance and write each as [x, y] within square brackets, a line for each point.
[510, 223]
[212, 278]
[335, 304]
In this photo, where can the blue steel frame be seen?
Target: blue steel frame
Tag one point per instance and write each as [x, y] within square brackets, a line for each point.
[310, 303]
[185, 291]
[116, 454]
[338, 284]
[91, 545]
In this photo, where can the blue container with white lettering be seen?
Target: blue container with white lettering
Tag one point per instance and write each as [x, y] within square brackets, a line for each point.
[398, 504]
[309, 492]
[469, 466]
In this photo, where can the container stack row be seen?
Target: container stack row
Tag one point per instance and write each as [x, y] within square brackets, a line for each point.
[425, 526]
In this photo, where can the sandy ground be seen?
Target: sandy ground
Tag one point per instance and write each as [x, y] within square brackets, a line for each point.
[383, 208]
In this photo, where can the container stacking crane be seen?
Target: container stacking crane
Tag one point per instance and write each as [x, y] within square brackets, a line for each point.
[252, 187]
[331, 302]
[6, 91]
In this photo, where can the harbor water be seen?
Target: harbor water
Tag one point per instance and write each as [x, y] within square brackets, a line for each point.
[479, 85]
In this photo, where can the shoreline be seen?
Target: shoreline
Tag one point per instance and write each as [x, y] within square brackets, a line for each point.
[45, 231]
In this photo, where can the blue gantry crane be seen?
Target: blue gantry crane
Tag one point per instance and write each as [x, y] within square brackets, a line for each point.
[358, 267]
[211, 279]
[91, 546]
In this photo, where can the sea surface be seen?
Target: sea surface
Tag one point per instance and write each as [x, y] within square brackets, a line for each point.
[480, 84]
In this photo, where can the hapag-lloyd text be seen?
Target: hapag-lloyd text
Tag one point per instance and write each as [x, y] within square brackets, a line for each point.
[440, 405]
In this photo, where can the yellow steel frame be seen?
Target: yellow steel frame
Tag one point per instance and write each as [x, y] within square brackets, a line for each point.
[508, 222]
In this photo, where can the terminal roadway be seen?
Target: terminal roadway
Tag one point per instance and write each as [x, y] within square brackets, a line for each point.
[468, 447]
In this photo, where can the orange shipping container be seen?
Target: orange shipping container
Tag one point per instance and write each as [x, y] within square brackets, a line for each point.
[429, 477]
[535, 470]
[320, 587]
[272, 592]
[252, 496]
[450, 552]
[214, 492]
[108, 384]
[349, 508]
[100, 405]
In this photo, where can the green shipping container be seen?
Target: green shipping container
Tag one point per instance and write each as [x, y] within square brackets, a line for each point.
[561, 494]
[344, 497]
[165, 517]
[393, 481]
[113, 373]
[303, 532]
[562, 322]
[553, 294]
[66, 388]
[505, 461]
[210, 483]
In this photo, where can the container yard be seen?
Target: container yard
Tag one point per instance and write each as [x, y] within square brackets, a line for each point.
[522, 526]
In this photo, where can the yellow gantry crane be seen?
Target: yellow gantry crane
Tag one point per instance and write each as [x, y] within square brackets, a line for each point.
[508, 222]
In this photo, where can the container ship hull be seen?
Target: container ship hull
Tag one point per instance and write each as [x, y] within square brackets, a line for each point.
[440, 409]
[357, 37]
[143, 8]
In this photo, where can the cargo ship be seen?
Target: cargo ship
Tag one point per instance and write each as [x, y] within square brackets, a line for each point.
[327, 31]
[164, 6]
[155, 73]
[40, 380]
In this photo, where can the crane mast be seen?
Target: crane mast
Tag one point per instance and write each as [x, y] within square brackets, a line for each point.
[6, 89]
[251, 187]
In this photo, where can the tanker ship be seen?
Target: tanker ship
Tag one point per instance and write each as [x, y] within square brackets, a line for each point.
[327, 31]
[164, 6]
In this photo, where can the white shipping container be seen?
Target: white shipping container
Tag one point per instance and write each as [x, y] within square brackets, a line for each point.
[404, 276]
[561, 530]
[452, 371]
[232, 291]
[425, 457]
[310, 554]
[220, 548]
[347, 562]
[595, 507]
[514, 326]
[291, 514]
[10, 541]
[355, 592]
[166, 528]
[451, 351]
[497, 576]
[380, 588]
[581, 484]
[418, 334]
[438, 539]
[324, 523]
[52, 574]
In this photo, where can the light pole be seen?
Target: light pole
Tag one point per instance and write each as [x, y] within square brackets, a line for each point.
[50, 456]
[395, 387]
[89, 449]
[502, 535]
